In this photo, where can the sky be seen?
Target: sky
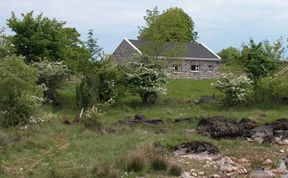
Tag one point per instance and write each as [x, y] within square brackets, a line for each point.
[219, 23]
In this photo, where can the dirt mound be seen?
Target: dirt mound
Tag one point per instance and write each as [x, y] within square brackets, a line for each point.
[220, 127]
[140, 119]
[193, 147]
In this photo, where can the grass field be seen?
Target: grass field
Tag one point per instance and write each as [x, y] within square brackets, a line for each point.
[57, 150]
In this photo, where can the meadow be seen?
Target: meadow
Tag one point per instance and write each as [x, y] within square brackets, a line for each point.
[53, 149]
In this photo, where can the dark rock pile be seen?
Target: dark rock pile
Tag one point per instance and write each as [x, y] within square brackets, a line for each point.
[220, 127]
[195, 147]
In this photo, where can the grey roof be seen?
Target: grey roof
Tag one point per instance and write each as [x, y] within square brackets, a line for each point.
[191, 50]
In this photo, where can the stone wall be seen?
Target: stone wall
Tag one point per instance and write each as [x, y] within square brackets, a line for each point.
[207, 69]
[123, 52]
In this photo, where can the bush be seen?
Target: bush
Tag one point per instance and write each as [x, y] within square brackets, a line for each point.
[159, 163]
[19, 94]
[175, 170]
[275, 89]
[92, 119]
[101, 84]
[146, 77]
[105, 171]
[235, 89]
[52, 75]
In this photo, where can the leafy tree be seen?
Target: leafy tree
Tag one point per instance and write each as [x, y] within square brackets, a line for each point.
[40, 38]
[96, 52]
[262, 59]
[6, 49]
[230, 55]
[19, 94]
[146, 77]
[52, 75]
[173, 25]
[102, 83]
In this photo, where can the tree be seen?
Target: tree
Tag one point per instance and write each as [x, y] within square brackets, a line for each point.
[52, 75]
[230, 55]
[173, 25]
[40, 38]
[146, 77]
[262, 59]
[102, 83]
[96, 52]
[6, 49]
[19, 94]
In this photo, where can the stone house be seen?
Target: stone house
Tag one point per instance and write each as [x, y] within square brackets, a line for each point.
[185, 60]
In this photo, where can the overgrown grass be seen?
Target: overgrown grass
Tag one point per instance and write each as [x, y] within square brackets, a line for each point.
[55, 149]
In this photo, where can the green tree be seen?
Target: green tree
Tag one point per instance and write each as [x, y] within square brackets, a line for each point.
[173, 25]
[230, 55]
[146, 77]
[96, 52]
[39, 38]
[262, 59]
[102, 83]
[19, 94]
[6, 49]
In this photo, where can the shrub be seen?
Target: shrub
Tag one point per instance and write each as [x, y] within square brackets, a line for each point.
[92, 119]
[275, 89]
[105, 171]
[147, 77]
[159, 163]
[101, 84]
[235, 89]
[19, 94]
[175, 170]
[52, 75]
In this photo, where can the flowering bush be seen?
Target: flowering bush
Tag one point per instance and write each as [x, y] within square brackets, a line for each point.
[52, 75]
[146, 77]
[234, 89]
[92, 119]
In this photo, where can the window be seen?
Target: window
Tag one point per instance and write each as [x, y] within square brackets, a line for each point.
[195, 68]
[175, 68]
[210, 68]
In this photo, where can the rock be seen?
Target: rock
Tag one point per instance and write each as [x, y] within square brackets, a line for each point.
[262, 173]
[205, 99]
[267, 162]
[201, 157]
[282, 168]
[188, 119]
[190, 130]
[193, 147]
[227, 165]
[243, 160]
[140, 119]
[186, 175]
[194, 174]
[201, 173]
[242, 170]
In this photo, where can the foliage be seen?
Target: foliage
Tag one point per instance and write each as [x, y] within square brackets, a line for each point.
[40, 38]
[173, 25]
[6, 49]
[235, 90]
[102, 83]
[159, 163]
[230, 55]
[52, 75]
[147, 77]
[275, 88]
[96, 52]
[261, 60]
[175, 170]
[19, 94]
[92, 119]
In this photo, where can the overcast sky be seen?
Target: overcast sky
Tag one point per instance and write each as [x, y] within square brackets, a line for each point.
[220, 23]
